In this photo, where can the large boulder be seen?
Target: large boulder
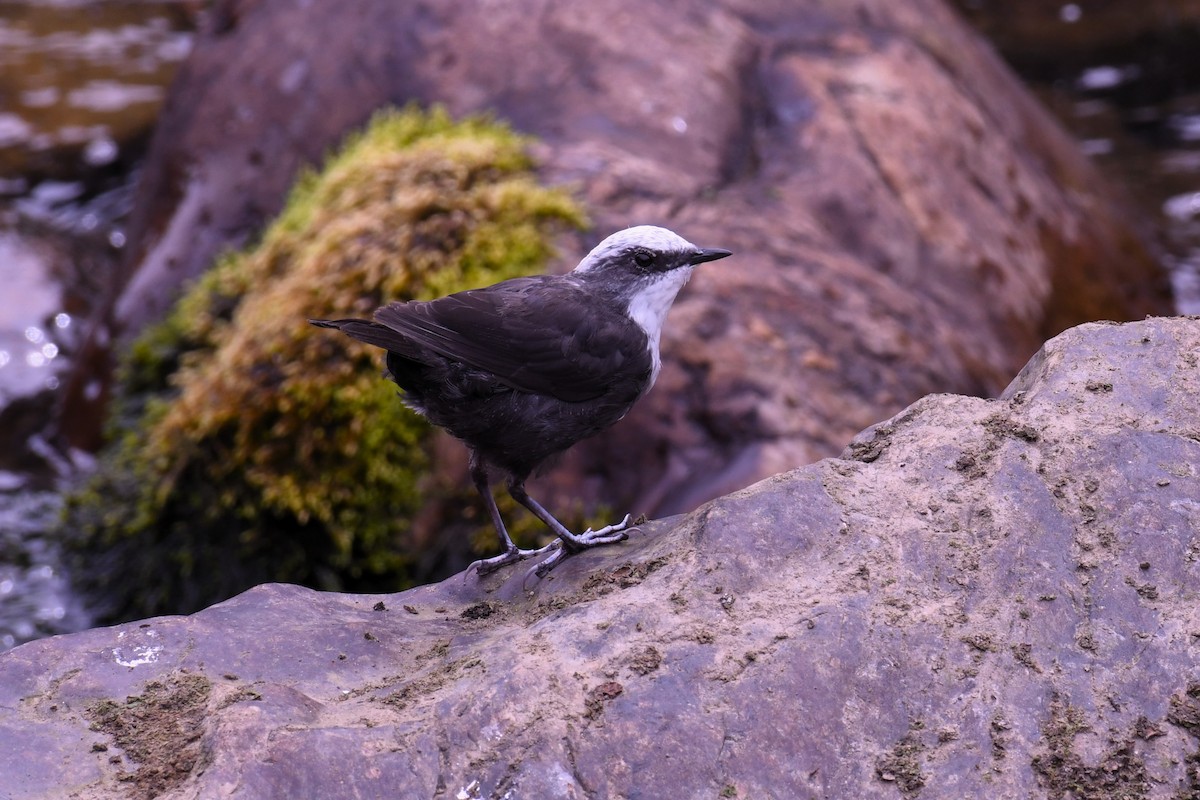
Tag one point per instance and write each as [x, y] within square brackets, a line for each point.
[905, 217]
[978, 599]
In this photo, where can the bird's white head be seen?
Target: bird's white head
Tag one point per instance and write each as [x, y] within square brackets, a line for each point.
[645, 250]
[645, 266]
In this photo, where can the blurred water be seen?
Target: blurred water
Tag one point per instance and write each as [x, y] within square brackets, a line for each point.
[80, 79]
[28, 346]
[81, 84]
[1124, 78]
[35, 595]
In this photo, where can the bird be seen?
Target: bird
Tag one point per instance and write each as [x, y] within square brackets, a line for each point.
[522, 370]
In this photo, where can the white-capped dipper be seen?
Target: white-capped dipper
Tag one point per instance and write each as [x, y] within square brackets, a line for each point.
[522, 370]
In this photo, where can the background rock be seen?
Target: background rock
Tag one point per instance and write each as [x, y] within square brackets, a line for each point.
[979, 599]
[906, 219]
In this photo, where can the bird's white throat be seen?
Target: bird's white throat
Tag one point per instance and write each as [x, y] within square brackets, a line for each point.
[649, 307]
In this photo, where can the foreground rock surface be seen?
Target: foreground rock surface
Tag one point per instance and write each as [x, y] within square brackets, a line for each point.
[978, 599]
[906, 218]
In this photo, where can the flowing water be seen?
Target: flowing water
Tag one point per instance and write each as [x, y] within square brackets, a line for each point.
[35, 596]
[1124, 78]
[81, 83]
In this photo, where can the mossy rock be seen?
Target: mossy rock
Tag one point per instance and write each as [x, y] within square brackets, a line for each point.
[247, 445]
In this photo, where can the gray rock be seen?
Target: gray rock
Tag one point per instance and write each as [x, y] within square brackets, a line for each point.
[978, 599]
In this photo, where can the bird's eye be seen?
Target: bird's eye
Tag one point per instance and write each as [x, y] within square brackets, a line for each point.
[643, 258]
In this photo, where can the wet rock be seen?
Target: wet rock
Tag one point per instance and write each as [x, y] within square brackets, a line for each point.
[906, 218]
[957, 616]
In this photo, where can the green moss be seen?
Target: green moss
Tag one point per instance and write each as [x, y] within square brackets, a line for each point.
[250, 446]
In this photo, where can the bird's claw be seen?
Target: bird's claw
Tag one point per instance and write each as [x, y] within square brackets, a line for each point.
[593, 538]
[608, 534]
[559, 549]
[542, 569]
[486, 566]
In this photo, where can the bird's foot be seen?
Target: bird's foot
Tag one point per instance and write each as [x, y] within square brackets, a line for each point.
[590, 538]
[486, 566]
[576, 543]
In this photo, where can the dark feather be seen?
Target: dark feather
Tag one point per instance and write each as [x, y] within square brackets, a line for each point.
[518, 332]
[365, 331]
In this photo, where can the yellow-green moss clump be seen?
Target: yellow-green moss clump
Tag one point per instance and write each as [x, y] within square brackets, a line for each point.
[251, 446]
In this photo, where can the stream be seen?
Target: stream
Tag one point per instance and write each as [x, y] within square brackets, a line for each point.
[81, 84]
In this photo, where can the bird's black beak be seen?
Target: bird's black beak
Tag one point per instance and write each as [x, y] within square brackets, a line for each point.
[708, 254]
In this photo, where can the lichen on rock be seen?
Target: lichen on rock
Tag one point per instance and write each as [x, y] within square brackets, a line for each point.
[247, 445]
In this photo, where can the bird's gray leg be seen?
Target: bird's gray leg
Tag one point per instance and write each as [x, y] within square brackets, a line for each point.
[571, 542]
[511, 553]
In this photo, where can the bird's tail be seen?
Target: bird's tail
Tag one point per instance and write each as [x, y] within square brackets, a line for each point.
[367, 331]
[328, 323]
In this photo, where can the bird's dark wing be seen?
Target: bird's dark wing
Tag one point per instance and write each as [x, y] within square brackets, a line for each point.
[541, 334]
